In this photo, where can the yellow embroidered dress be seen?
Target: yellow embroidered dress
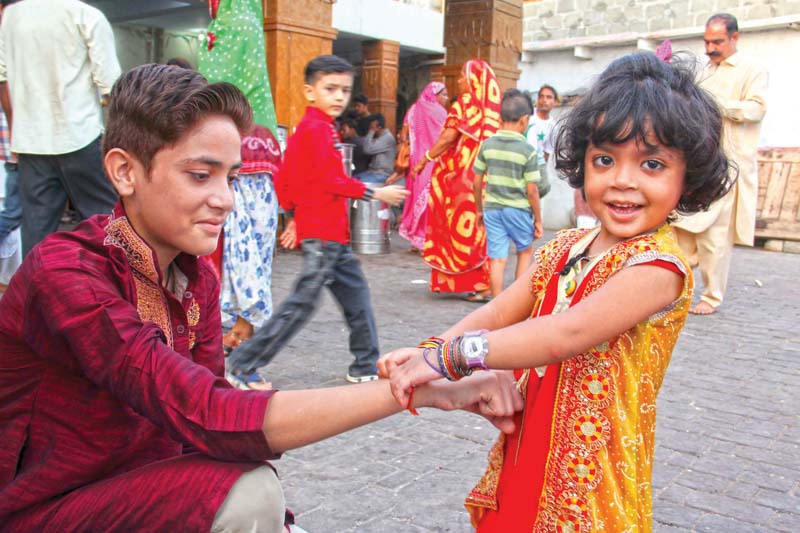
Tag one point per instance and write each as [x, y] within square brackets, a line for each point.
[581, 458]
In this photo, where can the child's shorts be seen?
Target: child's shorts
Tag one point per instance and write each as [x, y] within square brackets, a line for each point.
[508, 223]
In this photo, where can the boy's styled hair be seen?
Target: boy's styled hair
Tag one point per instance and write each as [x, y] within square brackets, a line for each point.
[152, 106]
[546, 87]
[361, 99]
[377, 117]
[515, 105]
[638, 94]
[327, 64]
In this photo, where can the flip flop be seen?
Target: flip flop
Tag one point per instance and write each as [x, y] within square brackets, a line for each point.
[476, 298]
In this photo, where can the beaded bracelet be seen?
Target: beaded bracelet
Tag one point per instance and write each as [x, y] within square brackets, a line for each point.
[431, 342]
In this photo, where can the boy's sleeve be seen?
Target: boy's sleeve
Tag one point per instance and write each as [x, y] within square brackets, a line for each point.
[112, 347]
[479, 167]
[531, 173]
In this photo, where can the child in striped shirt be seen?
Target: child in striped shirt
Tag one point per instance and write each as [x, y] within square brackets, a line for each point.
[507, 164]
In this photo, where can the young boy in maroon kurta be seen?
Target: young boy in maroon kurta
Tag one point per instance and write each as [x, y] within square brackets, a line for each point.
[114, 413]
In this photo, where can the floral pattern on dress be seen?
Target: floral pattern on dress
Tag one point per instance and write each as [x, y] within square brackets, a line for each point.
[247, 251]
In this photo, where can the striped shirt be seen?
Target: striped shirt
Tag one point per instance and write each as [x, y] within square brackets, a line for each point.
[509, 163]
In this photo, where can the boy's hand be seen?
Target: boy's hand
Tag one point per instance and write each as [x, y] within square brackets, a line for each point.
[288, 238]
[391, 194]
[492, 394]
[479, 218]
[394, 178]
[538, 231]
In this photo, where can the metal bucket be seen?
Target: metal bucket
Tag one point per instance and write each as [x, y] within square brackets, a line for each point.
[347, 157]
[369, 227]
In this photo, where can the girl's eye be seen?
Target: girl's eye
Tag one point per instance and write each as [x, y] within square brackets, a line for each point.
[603, 160]
[652, 164]
[233, 178]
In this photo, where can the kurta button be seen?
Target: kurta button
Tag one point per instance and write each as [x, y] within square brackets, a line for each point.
[180, 329]
[187, 294]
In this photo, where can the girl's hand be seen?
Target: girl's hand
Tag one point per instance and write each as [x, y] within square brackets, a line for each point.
[411, 372]
[420, 166]
[388, 362]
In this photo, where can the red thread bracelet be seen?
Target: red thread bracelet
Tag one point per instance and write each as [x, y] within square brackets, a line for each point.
[410, 402]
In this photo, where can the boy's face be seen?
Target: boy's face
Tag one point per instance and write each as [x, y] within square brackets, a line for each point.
[330, 93]
[181, 206]
[360, 108]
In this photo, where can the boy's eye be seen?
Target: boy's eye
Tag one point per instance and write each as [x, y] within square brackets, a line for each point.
[652, 164]
[603, 160]
[199, 176]
[232, 178]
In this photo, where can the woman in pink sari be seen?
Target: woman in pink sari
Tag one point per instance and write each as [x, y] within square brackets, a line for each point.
[423, 124]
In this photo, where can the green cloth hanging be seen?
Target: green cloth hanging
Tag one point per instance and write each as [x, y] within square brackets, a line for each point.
[237, 55]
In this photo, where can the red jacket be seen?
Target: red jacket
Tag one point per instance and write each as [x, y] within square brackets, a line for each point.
[312, 181]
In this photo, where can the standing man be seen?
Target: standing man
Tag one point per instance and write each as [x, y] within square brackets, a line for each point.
[541, 125]
[58, 59]
[740, 89]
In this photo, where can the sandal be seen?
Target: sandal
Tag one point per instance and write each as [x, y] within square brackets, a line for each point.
[476, 298]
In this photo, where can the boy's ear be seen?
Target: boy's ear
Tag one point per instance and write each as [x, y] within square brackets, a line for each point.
[121, 168]
[308, 93]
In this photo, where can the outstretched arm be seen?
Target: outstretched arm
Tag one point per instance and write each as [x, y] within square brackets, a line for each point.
[298, 418]
[615, 308]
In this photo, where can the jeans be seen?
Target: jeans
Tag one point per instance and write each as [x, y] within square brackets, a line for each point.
[11, 215]
[325, 263]
[369, 176]
[47, 181]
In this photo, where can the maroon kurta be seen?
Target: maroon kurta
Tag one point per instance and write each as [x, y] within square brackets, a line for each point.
[106, 381]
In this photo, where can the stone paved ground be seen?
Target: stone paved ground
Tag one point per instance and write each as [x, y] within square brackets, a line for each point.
[728, 438]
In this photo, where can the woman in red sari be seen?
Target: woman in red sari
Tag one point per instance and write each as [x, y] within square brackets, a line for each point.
[455, 245]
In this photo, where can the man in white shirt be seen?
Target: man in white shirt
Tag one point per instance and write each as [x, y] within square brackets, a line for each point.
[540, 129]
[58, 59]
[739, 85]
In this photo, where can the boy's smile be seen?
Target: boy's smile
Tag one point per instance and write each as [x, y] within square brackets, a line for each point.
[631, 187]
[182, 204]
[330, 93]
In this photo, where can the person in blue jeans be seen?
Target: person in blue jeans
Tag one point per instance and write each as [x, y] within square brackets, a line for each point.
[11, 215]
[508, 164]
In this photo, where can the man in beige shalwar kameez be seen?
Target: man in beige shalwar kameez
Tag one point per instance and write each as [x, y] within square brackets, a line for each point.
[740, 88]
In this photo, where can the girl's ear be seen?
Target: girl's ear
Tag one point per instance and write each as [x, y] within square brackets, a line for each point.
[121, 168]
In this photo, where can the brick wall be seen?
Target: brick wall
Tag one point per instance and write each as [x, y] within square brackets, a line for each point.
[561, 19]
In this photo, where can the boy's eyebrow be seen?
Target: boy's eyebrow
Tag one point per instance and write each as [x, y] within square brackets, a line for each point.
[209, 161]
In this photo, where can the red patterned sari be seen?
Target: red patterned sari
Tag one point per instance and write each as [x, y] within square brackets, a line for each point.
[455, 246]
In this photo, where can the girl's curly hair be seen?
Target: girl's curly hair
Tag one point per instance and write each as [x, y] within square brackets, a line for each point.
[639, 95]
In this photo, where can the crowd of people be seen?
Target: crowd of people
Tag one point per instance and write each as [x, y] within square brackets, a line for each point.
[119, 334]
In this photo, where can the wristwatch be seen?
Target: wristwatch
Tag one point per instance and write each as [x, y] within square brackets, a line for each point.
[474, 348]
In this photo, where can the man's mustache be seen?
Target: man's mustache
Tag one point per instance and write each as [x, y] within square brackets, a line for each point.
[713, 54]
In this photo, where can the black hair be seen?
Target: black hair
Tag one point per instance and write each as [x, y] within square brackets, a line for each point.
[361, 99]
[327, 64]
[377, 117]
[347, 120]
[638, 95]
[730, 22]
[7, 3]
[179, 62]
[515, 105]
[545, 87]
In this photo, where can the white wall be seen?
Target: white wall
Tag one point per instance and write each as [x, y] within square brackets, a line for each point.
[410, 25]
[777, 50]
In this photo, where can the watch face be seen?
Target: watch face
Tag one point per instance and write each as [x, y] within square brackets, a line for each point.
[474, 346]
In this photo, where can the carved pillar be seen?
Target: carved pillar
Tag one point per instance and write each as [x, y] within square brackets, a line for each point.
[436, 67]
[379, 78]
[487, 29]
[295, 31]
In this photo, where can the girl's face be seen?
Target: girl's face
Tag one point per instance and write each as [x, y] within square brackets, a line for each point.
[631, 187]
[463, 84]
[442, 97]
